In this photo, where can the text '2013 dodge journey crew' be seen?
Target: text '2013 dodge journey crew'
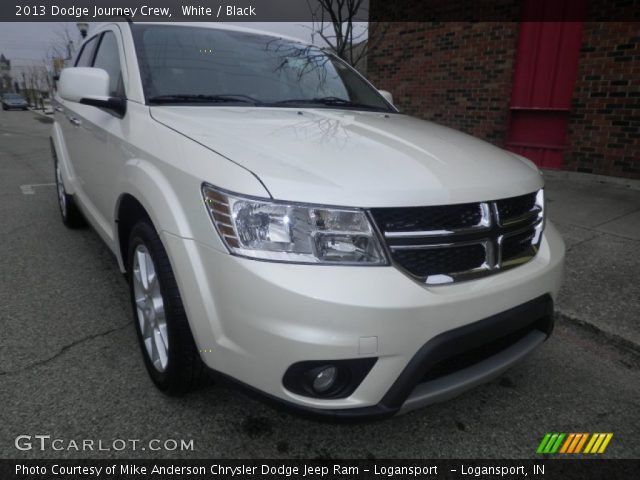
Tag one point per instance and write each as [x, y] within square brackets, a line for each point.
[282, 224]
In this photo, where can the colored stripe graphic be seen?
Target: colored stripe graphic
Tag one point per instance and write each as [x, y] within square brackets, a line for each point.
[572, 443]
[592, 440]
[568, 442]
[605, 443]
[556, 445]
[550, 443]
[582, 442]
[598, 443]
[543, 443]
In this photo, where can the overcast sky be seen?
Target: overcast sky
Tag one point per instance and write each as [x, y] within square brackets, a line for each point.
[26, 42]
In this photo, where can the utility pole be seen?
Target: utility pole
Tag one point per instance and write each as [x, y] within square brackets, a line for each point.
[24, 83]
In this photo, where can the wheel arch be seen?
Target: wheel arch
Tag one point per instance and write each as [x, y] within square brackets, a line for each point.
[61, 155]
[146, 192]
[129, 211]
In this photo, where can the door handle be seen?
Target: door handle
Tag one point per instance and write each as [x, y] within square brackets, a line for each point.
[74, 120]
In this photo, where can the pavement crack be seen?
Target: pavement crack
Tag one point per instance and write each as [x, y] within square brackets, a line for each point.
[616, 218]
[586, 240]
[64, 349]
[597, 234]
[611, 338]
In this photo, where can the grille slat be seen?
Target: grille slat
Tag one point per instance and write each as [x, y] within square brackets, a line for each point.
[512, 209]
[416, 219]
[436, 261]
[449, 243]
[517, 245]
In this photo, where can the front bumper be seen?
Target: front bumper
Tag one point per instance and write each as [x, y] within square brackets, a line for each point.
[251, 320]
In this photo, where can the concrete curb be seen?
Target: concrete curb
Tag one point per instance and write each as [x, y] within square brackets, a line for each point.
[587, 178]
[40, 112]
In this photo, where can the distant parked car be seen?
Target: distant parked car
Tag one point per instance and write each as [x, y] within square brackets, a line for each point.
[13, 100]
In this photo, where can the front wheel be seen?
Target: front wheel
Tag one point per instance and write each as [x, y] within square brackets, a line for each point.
[169, 351]
[71, 215]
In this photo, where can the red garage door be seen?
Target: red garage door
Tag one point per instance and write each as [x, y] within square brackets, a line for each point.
[545, 73]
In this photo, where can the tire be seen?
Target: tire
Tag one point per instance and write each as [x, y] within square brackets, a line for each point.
[69, 211]
[159, 316]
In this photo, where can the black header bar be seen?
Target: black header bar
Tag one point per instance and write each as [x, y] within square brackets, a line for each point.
[308, 10]
[544, 468]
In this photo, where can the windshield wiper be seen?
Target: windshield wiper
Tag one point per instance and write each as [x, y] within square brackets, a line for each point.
[200, 98]
[337, 101]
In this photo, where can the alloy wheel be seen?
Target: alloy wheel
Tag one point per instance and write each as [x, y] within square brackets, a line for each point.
[62, 196]
[150, 308]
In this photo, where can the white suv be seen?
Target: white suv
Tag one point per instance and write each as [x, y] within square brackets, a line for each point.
[282, 224]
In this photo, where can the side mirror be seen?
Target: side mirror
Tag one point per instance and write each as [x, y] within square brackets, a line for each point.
[89, 86]
[77, 83]
[387, 96]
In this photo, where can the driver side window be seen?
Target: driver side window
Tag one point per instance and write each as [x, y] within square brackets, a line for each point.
[86, 54]
[108, 58]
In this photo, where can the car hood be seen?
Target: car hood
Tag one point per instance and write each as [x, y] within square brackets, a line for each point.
[352, 158]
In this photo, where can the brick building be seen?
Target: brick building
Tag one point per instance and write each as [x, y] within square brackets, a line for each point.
[565, 94]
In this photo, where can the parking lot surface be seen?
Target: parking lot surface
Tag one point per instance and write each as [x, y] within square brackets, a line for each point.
[70, 366]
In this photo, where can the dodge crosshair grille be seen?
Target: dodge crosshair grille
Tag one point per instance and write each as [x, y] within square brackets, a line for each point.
[451, 243]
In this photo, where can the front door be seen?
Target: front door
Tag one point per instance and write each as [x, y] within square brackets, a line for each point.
[98, 155]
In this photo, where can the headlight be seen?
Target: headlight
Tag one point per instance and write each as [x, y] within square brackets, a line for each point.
[289, 232]
[541, 207]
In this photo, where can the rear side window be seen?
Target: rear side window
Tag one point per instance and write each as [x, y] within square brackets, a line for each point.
[86, 54]
[108, 58]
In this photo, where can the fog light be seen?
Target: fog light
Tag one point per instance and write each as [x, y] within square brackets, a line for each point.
[325, 379]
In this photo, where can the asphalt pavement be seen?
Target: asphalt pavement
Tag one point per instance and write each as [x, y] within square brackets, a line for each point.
[70, 366]
[600, 223]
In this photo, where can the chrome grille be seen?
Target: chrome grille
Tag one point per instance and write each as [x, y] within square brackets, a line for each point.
[424, 262]
[516, 209]
[450, 243]
[432, 218]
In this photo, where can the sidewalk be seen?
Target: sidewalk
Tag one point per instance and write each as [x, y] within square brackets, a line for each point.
[600, 223]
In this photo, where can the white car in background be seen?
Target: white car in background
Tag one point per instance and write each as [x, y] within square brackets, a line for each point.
[281, 223]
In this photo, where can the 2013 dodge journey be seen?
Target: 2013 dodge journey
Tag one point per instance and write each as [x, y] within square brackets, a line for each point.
[281, 223]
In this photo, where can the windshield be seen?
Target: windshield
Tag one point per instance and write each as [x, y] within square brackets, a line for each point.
[209, 66]
[12, 96]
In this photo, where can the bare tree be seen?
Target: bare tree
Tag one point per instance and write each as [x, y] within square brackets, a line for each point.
[36, 82]
[63, 43]
[61, 48]
[333, 21]
[59, 51]
[49, 72]
[5, 76]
